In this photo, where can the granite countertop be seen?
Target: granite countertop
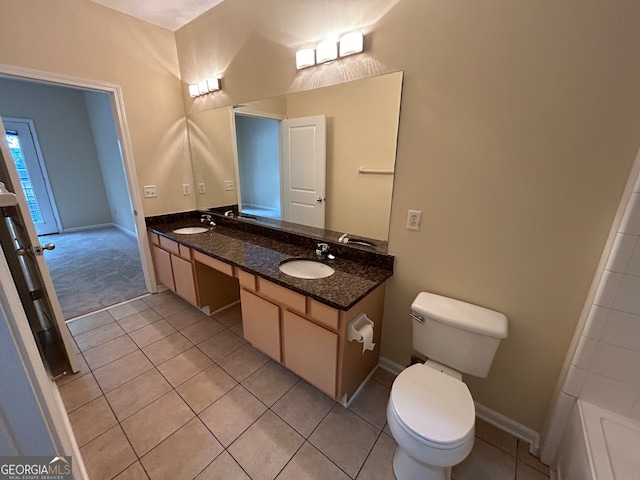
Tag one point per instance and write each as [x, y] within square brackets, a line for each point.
[261, 254]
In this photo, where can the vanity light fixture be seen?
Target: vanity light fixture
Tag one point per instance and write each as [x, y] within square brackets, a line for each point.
[305, 58]
[351, 43]
[326, 51]
[208, 85]
[193, 90]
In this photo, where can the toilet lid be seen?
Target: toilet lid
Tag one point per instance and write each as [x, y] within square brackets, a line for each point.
[433, 405]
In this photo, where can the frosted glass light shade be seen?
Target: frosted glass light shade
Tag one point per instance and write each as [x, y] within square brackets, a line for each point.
[193, 90]
[351, 43]
[213, 84]
[326, 51]
[203, 87]
[305, 58]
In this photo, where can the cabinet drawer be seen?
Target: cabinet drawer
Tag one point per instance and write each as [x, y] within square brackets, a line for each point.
[261, 324]
[282, 295]
[185, 252]
[324, 314]
[169, 245]
[310, 351]
[213, 263]
[153, 237]
[247, 280]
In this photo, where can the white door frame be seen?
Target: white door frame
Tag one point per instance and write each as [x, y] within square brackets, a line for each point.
[43, 166]
[117, 103]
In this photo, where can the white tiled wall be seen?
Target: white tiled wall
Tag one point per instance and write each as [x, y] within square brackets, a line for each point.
[605, 368]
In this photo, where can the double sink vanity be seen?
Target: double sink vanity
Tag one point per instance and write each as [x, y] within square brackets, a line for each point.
[301, 323]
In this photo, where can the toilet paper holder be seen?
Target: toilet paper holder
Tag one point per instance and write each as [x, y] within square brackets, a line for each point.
[353, 330]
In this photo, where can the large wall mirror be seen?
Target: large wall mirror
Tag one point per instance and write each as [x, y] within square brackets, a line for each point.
[244, 145]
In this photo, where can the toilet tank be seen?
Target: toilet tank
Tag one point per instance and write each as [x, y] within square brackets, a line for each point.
[460, 335]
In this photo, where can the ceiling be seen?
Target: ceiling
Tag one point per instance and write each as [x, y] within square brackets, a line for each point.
[170, 14]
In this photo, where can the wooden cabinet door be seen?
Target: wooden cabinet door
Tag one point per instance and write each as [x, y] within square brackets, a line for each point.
[310, 351]
[164, 273]
[184, 280]
[261, 324]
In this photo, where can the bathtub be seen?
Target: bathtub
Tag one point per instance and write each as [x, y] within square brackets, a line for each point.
[599, 445]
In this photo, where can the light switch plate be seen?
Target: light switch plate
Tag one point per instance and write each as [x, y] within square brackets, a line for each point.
[149, 191]
[186, 189]
[228, 185]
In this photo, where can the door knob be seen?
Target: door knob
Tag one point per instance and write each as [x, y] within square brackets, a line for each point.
[35, 249]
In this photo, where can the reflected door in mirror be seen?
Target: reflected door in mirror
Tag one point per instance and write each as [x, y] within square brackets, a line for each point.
[304, 170]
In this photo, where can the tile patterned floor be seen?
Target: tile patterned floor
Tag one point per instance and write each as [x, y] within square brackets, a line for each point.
[165, 392]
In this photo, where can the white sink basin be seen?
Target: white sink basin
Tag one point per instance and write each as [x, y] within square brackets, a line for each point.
[306, 269]
[190, 230]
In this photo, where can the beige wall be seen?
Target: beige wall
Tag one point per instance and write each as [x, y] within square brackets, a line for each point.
[519, 124]
[82, 39]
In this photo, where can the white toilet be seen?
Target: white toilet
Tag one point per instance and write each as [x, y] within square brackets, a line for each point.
[430, 411]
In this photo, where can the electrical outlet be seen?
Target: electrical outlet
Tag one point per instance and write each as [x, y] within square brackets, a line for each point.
[413, 220]
[228, 185]
[186, 189]
[201, 188]
[149, 191]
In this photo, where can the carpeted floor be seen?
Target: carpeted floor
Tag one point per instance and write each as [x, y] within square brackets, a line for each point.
[93, 269]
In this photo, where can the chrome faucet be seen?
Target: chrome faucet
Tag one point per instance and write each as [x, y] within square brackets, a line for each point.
[323, 251]
[206, 218]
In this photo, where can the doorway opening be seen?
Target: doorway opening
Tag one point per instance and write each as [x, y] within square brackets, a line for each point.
[258, 147]
[67, 139]
[281, 165]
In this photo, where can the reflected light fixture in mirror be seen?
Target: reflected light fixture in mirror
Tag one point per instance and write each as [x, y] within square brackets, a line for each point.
[305, 58]
[208, 85]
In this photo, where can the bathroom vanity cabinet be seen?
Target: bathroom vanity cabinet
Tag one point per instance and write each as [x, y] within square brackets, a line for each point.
[308, 337]
[201, 280]
[301, 324]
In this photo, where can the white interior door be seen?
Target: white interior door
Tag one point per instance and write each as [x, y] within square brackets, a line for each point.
[303, 172]
[23, 144]
[31, 277]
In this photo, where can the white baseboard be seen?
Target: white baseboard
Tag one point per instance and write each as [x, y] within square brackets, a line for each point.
[124, 230]
[346, 403]
[390, 366]
[87, 227]
[485, 413]
[206, 310]
[510, 426]
[100, 225]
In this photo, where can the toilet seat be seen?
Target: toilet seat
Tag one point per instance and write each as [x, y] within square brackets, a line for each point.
[433, 407]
